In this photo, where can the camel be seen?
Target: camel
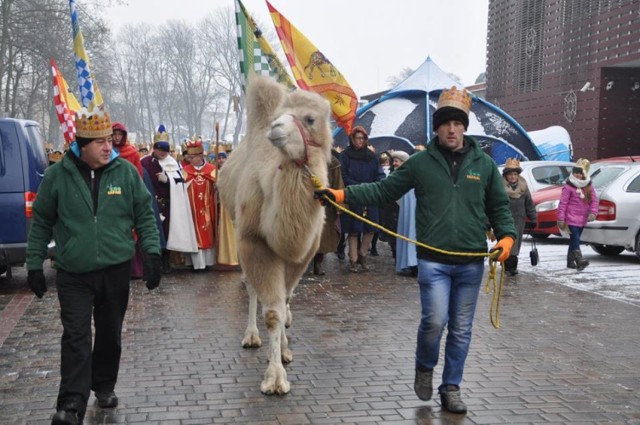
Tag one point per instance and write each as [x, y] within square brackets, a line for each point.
[266, 187]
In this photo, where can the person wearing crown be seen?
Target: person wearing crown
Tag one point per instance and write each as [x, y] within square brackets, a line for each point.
[201, 177]
[521, 205]
[163, 169]
[89, 202]
[458, 189]
[578, 206]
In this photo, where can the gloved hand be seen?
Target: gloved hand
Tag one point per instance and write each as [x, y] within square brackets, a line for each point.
[530, 225]
[505, 244]
[37, 282]
[152, 270]
[591, 217]
[162, 177]
[336, 196]
[562, 226]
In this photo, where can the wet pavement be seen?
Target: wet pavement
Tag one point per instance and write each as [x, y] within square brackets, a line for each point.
[562, 356]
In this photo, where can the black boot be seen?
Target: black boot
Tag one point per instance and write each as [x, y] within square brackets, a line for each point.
[166, 264]
[581, 263]
[571, 262]
[317, 266]
[511, 265]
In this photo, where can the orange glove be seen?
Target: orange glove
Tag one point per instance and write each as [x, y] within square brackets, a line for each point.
[336, 195]
[505, 244]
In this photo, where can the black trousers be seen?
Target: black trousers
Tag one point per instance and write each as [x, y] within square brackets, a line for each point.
[105, 295]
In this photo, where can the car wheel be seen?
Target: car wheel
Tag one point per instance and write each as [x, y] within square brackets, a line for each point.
[540, 235]
[637, 247]
[3, 269]
[607, 250]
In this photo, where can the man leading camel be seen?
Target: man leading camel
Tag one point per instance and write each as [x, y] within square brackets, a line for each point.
[458, 187]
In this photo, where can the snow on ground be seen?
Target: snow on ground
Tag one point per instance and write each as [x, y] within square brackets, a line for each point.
[616, 277]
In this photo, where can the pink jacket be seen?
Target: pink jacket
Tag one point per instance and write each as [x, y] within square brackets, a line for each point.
[572, 209]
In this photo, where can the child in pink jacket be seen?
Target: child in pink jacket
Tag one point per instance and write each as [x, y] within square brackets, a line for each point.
[578, 205]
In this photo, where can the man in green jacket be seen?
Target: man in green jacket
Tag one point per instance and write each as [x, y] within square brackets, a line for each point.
[458, 189]
[90, 203]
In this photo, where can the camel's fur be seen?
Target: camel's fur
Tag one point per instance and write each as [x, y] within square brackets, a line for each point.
[270, 197]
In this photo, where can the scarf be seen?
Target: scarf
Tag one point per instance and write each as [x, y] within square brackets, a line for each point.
[363, 154]
[580, 186]
[516, 190]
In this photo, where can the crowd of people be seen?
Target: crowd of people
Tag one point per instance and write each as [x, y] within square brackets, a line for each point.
[118, 214]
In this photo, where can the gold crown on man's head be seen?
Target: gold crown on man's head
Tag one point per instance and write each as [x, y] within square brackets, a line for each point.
[455, 98]
[194, 147]
[161, 137]
[55, 156]
[93, 124]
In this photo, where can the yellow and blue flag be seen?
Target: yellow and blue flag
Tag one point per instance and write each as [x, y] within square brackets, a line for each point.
[90, 96]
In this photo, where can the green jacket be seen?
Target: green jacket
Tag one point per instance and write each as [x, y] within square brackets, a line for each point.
[449, 216]
[88, 241]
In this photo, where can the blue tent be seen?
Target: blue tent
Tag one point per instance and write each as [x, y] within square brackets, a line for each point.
[401, 119]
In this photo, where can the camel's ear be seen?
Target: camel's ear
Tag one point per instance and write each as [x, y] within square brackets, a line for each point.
[264, 95]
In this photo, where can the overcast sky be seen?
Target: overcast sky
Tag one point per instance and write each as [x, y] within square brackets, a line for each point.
[367, 40]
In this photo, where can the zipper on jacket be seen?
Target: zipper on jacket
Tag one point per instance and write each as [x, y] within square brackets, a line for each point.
[95, 213]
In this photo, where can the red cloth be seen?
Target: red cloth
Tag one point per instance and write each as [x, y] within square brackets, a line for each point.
[203, 203]
[130, 153]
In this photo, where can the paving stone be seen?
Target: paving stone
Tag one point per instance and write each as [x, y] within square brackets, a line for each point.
[562, 356]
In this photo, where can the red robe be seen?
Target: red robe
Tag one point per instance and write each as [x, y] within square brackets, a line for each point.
[203, 203]
[131, 154]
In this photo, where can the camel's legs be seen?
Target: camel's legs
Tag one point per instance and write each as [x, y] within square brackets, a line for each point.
[264, 273]
[251, 334]
[275, 377]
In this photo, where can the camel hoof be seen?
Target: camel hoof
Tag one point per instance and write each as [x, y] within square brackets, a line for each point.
[251, 340]
[275, 381]
[287, 356]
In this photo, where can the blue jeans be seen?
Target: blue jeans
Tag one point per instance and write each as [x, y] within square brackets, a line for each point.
[448, 294]
[575, 233]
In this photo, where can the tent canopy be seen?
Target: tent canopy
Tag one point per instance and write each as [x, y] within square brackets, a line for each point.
[401, 119]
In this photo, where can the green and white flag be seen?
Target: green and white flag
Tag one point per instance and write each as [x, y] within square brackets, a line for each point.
[256, 54]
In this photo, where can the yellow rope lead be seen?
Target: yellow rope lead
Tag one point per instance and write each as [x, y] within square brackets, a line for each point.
[494, 311]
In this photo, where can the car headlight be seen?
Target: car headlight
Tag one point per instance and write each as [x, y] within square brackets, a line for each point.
[547, 206]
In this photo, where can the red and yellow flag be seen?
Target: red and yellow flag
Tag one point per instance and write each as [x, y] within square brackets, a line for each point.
[66, 104]
[314, 72]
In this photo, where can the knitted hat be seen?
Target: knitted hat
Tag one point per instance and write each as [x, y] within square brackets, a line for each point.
[401, 155]
[453, 105]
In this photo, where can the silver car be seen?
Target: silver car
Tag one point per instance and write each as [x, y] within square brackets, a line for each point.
[541, 174]
[617, 226]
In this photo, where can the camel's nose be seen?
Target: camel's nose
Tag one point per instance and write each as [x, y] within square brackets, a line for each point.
[278, 132]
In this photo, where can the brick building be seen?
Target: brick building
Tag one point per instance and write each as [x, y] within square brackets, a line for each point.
[574, 63]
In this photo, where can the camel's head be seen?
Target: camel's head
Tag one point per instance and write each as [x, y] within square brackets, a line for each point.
[302, 126]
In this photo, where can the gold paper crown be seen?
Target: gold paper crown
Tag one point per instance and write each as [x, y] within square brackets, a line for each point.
[512, 164]
[584, 164]
[455, 98]
[161, 137]
[195, 147]
[55, 156]
[93, 125]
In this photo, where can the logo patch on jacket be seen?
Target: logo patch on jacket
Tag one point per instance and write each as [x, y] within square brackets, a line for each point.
[473, 175]
[114, 190]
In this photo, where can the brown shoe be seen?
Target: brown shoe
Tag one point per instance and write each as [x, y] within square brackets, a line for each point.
[353, 266]
[362, 260]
